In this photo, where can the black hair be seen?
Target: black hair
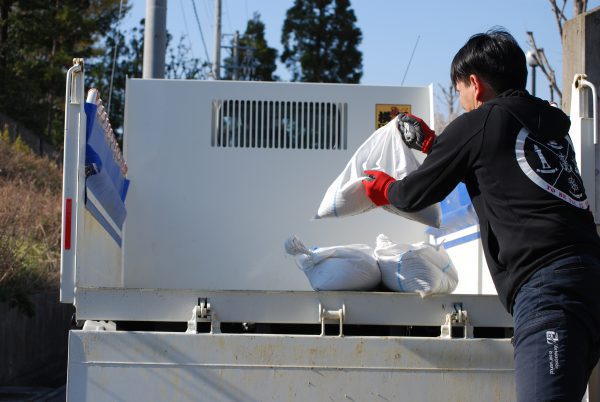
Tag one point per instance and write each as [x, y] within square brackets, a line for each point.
[494, 56]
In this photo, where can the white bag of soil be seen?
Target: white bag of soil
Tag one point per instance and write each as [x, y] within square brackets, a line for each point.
[383, 150]
[350, 267]
[420, 268]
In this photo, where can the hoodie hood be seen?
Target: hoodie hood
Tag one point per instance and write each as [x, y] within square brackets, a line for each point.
[539, 117]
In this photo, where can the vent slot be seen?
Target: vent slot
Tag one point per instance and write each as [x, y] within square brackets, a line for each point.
[241, 123]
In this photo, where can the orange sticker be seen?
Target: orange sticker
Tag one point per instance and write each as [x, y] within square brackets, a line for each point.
[386, 112]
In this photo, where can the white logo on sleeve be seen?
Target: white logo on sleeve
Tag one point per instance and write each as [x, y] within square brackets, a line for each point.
[551, 165]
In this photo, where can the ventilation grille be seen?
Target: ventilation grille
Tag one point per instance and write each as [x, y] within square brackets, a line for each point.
[279, 124]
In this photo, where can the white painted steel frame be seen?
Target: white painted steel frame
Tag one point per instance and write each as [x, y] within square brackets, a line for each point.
[145, 366]
[583, 134]
[299, 307]
[72, 152]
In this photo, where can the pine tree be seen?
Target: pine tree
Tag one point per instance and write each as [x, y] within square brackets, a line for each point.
[256, 60]
[320, 40]
[38, 40]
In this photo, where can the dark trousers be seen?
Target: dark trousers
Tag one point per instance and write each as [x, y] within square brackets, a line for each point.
[557, 330]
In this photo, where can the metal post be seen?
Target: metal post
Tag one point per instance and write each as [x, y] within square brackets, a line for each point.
[532, 62]
[236, 56]
[217, 44]
[155, 39]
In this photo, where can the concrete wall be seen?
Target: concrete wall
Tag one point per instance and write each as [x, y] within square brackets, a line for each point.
[581, 52]
[33, 351]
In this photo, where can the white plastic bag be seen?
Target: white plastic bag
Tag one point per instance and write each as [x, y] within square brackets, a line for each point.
[350, 267]
[383, 150]
[420, 268]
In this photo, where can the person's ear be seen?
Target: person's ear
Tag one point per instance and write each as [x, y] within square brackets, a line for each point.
[480, 88]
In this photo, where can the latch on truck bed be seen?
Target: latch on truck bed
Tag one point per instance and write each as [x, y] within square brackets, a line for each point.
[334, 315]
[203, 313]
[457, 318]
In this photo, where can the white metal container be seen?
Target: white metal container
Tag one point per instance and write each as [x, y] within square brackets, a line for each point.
[221, 174]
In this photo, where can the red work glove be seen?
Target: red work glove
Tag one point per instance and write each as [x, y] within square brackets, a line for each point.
[415, 132]
[377, 185]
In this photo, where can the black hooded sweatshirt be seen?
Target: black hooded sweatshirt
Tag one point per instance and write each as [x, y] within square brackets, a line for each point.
[518, 163]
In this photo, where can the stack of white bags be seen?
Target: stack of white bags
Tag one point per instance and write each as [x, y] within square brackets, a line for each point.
[419, 268]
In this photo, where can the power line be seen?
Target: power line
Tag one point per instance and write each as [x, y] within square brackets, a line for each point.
[200, 29]
[410, 60]
[112, 70]
[186, 28]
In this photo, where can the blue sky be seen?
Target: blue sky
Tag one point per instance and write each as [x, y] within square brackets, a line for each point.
[390, 30]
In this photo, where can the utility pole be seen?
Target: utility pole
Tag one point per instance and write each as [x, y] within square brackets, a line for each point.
[216, 70]
[155, 39]
[581, 36]
[236, 56]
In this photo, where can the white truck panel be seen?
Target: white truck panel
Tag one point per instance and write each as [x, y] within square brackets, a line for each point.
[466, 252]
[112, 366]
[93, 268]
[213, 217]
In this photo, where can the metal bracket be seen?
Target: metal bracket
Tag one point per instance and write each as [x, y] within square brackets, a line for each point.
[203, 313]
[457, 318]
[97, 326]
[332, 315]
[581, 82]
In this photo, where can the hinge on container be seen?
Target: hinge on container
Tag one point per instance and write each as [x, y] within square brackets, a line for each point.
[96, 326]
[203, 313]
[337, 315]
[457, 318]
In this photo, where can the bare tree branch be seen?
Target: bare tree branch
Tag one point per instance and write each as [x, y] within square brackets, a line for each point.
[449, 99]
[559, 14]
[580, 6]
[543, 63]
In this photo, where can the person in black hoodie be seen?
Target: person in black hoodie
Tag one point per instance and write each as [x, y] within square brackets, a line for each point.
[514, 154]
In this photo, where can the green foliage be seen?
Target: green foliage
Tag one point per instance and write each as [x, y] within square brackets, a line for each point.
[129, 64]
[38, 40]
[21, 146]
[4, 136]
[29, 224]
[257, 61]
[320, 42]
[179, 65]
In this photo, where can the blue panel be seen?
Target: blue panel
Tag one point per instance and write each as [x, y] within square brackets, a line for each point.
[461, 240]
[457, 212]
[98, 151]
[104, 181]
[103, 190]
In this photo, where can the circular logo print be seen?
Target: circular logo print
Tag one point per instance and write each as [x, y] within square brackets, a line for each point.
[551, 165]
